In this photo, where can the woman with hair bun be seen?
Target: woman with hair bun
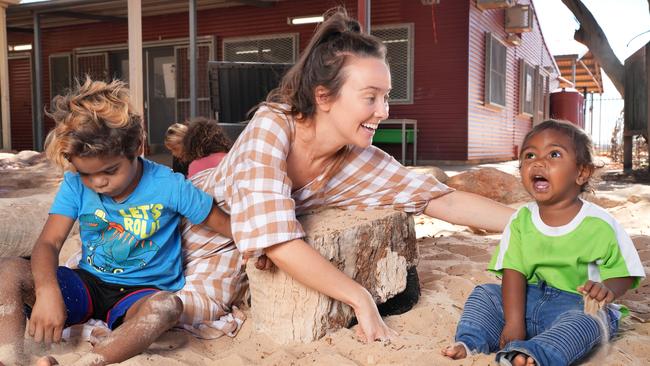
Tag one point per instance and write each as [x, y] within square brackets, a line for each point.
[309, 145]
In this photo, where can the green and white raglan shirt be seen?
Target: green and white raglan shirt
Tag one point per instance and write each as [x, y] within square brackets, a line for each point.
[593, 246]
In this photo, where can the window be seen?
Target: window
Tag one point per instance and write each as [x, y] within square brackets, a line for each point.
[541, 95]
[495, 72]
[95, 65]
[399, 53]
[273, 48]
[60, 74]
[527, 93]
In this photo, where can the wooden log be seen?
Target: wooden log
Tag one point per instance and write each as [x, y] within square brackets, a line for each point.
[375, 248]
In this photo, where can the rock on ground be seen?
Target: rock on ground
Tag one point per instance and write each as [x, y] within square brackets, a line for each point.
[491, 183]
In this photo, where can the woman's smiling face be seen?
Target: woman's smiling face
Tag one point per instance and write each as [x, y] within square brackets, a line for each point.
[362, 102]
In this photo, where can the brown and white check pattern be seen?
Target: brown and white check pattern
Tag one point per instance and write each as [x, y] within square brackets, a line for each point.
[253, 183]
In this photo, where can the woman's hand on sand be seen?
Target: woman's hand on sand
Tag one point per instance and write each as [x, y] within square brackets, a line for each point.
[371, 325]
[48, 316]
[512, 332]
[597, 291]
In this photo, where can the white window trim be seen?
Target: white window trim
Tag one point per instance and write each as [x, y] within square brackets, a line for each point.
[487, 100]
[293, 36]
[522, 87]
[409, 62]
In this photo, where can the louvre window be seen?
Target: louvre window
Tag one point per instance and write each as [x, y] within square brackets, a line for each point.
[495, 72]
[398, 40]
[273, 48]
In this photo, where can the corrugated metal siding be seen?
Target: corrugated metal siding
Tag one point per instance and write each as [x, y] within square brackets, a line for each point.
[440, 81]
[494, 133]
[443, 83]
[20, 100]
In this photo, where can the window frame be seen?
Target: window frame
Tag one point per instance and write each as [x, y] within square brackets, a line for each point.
[409, 60]
[527, 86]
[67, 55]
[293, 36]
[490, 41]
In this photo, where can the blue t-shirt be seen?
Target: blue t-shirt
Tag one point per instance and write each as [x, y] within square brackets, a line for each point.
[135, 242]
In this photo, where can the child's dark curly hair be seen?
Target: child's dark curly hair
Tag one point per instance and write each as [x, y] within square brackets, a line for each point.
[195, 139]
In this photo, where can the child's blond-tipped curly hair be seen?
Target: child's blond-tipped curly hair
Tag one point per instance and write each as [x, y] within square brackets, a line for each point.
[94, 119]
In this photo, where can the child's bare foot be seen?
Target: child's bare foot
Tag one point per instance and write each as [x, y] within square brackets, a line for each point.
[46, 361]
[455, 351]
[523, 360]
[517, 359]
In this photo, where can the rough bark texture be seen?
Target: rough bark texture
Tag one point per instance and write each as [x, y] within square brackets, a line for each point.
[591, 35]
[375, 248]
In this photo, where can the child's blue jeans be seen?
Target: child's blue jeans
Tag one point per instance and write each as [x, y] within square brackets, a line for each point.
[558, 332]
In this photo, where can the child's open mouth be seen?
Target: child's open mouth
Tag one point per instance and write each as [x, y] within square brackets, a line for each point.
[540, 183]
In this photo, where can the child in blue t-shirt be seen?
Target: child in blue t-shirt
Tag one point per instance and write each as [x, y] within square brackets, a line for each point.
[129, 210]
[556, 253]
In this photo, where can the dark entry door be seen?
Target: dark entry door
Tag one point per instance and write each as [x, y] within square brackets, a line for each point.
[160, 106]
[20, 101]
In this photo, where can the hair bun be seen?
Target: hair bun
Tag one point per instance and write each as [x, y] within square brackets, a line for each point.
[353, 26]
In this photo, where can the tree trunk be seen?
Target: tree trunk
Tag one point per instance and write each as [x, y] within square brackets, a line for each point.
[591, 35]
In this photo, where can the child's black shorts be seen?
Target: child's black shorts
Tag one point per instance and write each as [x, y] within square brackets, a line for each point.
[86, 297]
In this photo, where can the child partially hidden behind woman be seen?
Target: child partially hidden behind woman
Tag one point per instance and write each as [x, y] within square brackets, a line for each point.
[199, 142]
[556, 254]
[128, 209]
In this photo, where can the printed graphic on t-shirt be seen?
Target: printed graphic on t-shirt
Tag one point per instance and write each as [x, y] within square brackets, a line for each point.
[113, 247]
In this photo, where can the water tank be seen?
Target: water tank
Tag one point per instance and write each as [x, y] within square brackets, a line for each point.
[568, 104]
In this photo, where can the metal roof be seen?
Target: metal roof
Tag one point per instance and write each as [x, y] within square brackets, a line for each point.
[57, 13]
[587, 72]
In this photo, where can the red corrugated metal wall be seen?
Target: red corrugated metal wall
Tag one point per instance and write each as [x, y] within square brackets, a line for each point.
[493, 134]
[447, 94]
[440, 81]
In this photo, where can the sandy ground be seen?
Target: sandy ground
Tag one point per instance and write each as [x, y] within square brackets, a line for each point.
[452, 262]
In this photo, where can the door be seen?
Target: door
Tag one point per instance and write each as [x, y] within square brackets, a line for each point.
[183, 82]
[160, 87]
[20, 102]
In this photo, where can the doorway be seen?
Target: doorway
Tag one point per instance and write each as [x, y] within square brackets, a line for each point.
[160, 98]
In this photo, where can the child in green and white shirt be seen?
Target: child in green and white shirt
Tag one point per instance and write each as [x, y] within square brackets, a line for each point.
[553, 252]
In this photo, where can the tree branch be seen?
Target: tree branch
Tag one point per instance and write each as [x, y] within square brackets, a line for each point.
[591, 35]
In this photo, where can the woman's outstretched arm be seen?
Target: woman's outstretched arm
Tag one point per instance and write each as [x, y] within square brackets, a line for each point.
[302, 262]
[464, 208]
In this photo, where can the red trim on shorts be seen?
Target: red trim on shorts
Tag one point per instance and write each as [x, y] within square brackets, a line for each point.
[108, 314]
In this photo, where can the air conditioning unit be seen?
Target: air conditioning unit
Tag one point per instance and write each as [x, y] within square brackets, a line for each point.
[494, 4]
[519, 18]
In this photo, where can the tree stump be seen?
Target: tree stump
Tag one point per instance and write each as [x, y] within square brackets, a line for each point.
[375, 248]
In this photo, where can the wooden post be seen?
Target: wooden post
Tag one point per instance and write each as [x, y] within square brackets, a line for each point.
[4, 79]
[135, 56]
[647, 88]
[628, 141]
